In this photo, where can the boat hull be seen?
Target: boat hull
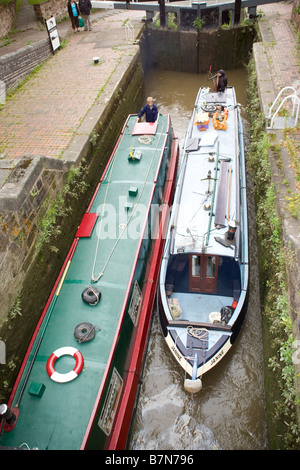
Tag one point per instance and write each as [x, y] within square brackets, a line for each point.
[203, 287]
[94, 411]
[133, 369]
[216, 354]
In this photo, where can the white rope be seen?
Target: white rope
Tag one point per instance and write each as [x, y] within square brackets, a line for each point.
[96, 252]
[199, 333]
[145, 139]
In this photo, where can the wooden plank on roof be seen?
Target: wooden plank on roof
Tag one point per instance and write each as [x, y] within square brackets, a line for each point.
[144, 128]
[222, 194]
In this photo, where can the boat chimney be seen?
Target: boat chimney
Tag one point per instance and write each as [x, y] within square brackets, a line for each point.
[9, 415]
[232, 226]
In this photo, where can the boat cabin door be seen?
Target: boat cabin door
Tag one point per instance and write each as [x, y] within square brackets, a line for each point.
[203, 273]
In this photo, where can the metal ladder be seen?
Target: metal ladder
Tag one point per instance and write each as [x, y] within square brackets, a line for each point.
[278, 122]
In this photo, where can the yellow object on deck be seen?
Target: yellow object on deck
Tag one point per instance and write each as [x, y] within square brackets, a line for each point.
[219, 121]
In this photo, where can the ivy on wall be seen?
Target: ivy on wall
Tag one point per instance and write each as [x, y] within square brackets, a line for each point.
[36, 2]
[31, 2]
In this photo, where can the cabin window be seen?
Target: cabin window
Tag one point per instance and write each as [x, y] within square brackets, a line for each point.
[195, 265]
[210, 266]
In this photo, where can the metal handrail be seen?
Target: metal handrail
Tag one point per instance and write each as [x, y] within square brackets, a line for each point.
[295, 100]
[129, 31]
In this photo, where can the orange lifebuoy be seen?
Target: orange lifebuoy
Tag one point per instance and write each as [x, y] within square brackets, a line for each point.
[65, 351]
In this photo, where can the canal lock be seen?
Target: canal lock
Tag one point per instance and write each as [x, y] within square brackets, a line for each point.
[174, 53]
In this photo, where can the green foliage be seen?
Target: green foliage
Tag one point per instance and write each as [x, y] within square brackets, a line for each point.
[36, 2]
[5, 41]
[198, 23]
[279, 345]
[172, 21]
[16, 309]
[53, 211]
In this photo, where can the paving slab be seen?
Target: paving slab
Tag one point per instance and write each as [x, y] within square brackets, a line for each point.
[280, 42]
[44, 115]
[278, 56]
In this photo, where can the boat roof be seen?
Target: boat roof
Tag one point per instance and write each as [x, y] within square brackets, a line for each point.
[59, 417]
[207, 191]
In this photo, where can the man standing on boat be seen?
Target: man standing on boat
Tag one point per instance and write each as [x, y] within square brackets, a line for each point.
[221, 82]
[150, 110]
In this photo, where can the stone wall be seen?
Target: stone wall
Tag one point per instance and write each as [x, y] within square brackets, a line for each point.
[57, 8]
[43, 11]
[7, 18]
[14, 67]
[27, 184]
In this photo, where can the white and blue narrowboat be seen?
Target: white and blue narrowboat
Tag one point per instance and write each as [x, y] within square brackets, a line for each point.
[204, 273]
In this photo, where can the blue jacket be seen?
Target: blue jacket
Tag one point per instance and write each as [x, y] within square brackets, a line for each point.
[151, 114]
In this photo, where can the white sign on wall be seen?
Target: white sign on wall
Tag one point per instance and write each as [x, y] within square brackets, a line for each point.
[53, 33]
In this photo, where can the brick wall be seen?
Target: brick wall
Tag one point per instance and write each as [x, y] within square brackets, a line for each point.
[14, 67]
[23, 192]
[7, 18]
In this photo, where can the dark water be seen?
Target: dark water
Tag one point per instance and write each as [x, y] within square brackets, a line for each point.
[229, 412]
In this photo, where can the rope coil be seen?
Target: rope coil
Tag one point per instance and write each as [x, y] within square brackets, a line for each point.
[145, 139]
[85, 332]
[199, 333]
[91, 295]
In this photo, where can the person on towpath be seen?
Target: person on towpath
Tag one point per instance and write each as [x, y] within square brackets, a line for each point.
[85, 7]
[73, 11]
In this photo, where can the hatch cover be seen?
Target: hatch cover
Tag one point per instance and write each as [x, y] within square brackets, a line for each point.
[144, 128]
[87, 225]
